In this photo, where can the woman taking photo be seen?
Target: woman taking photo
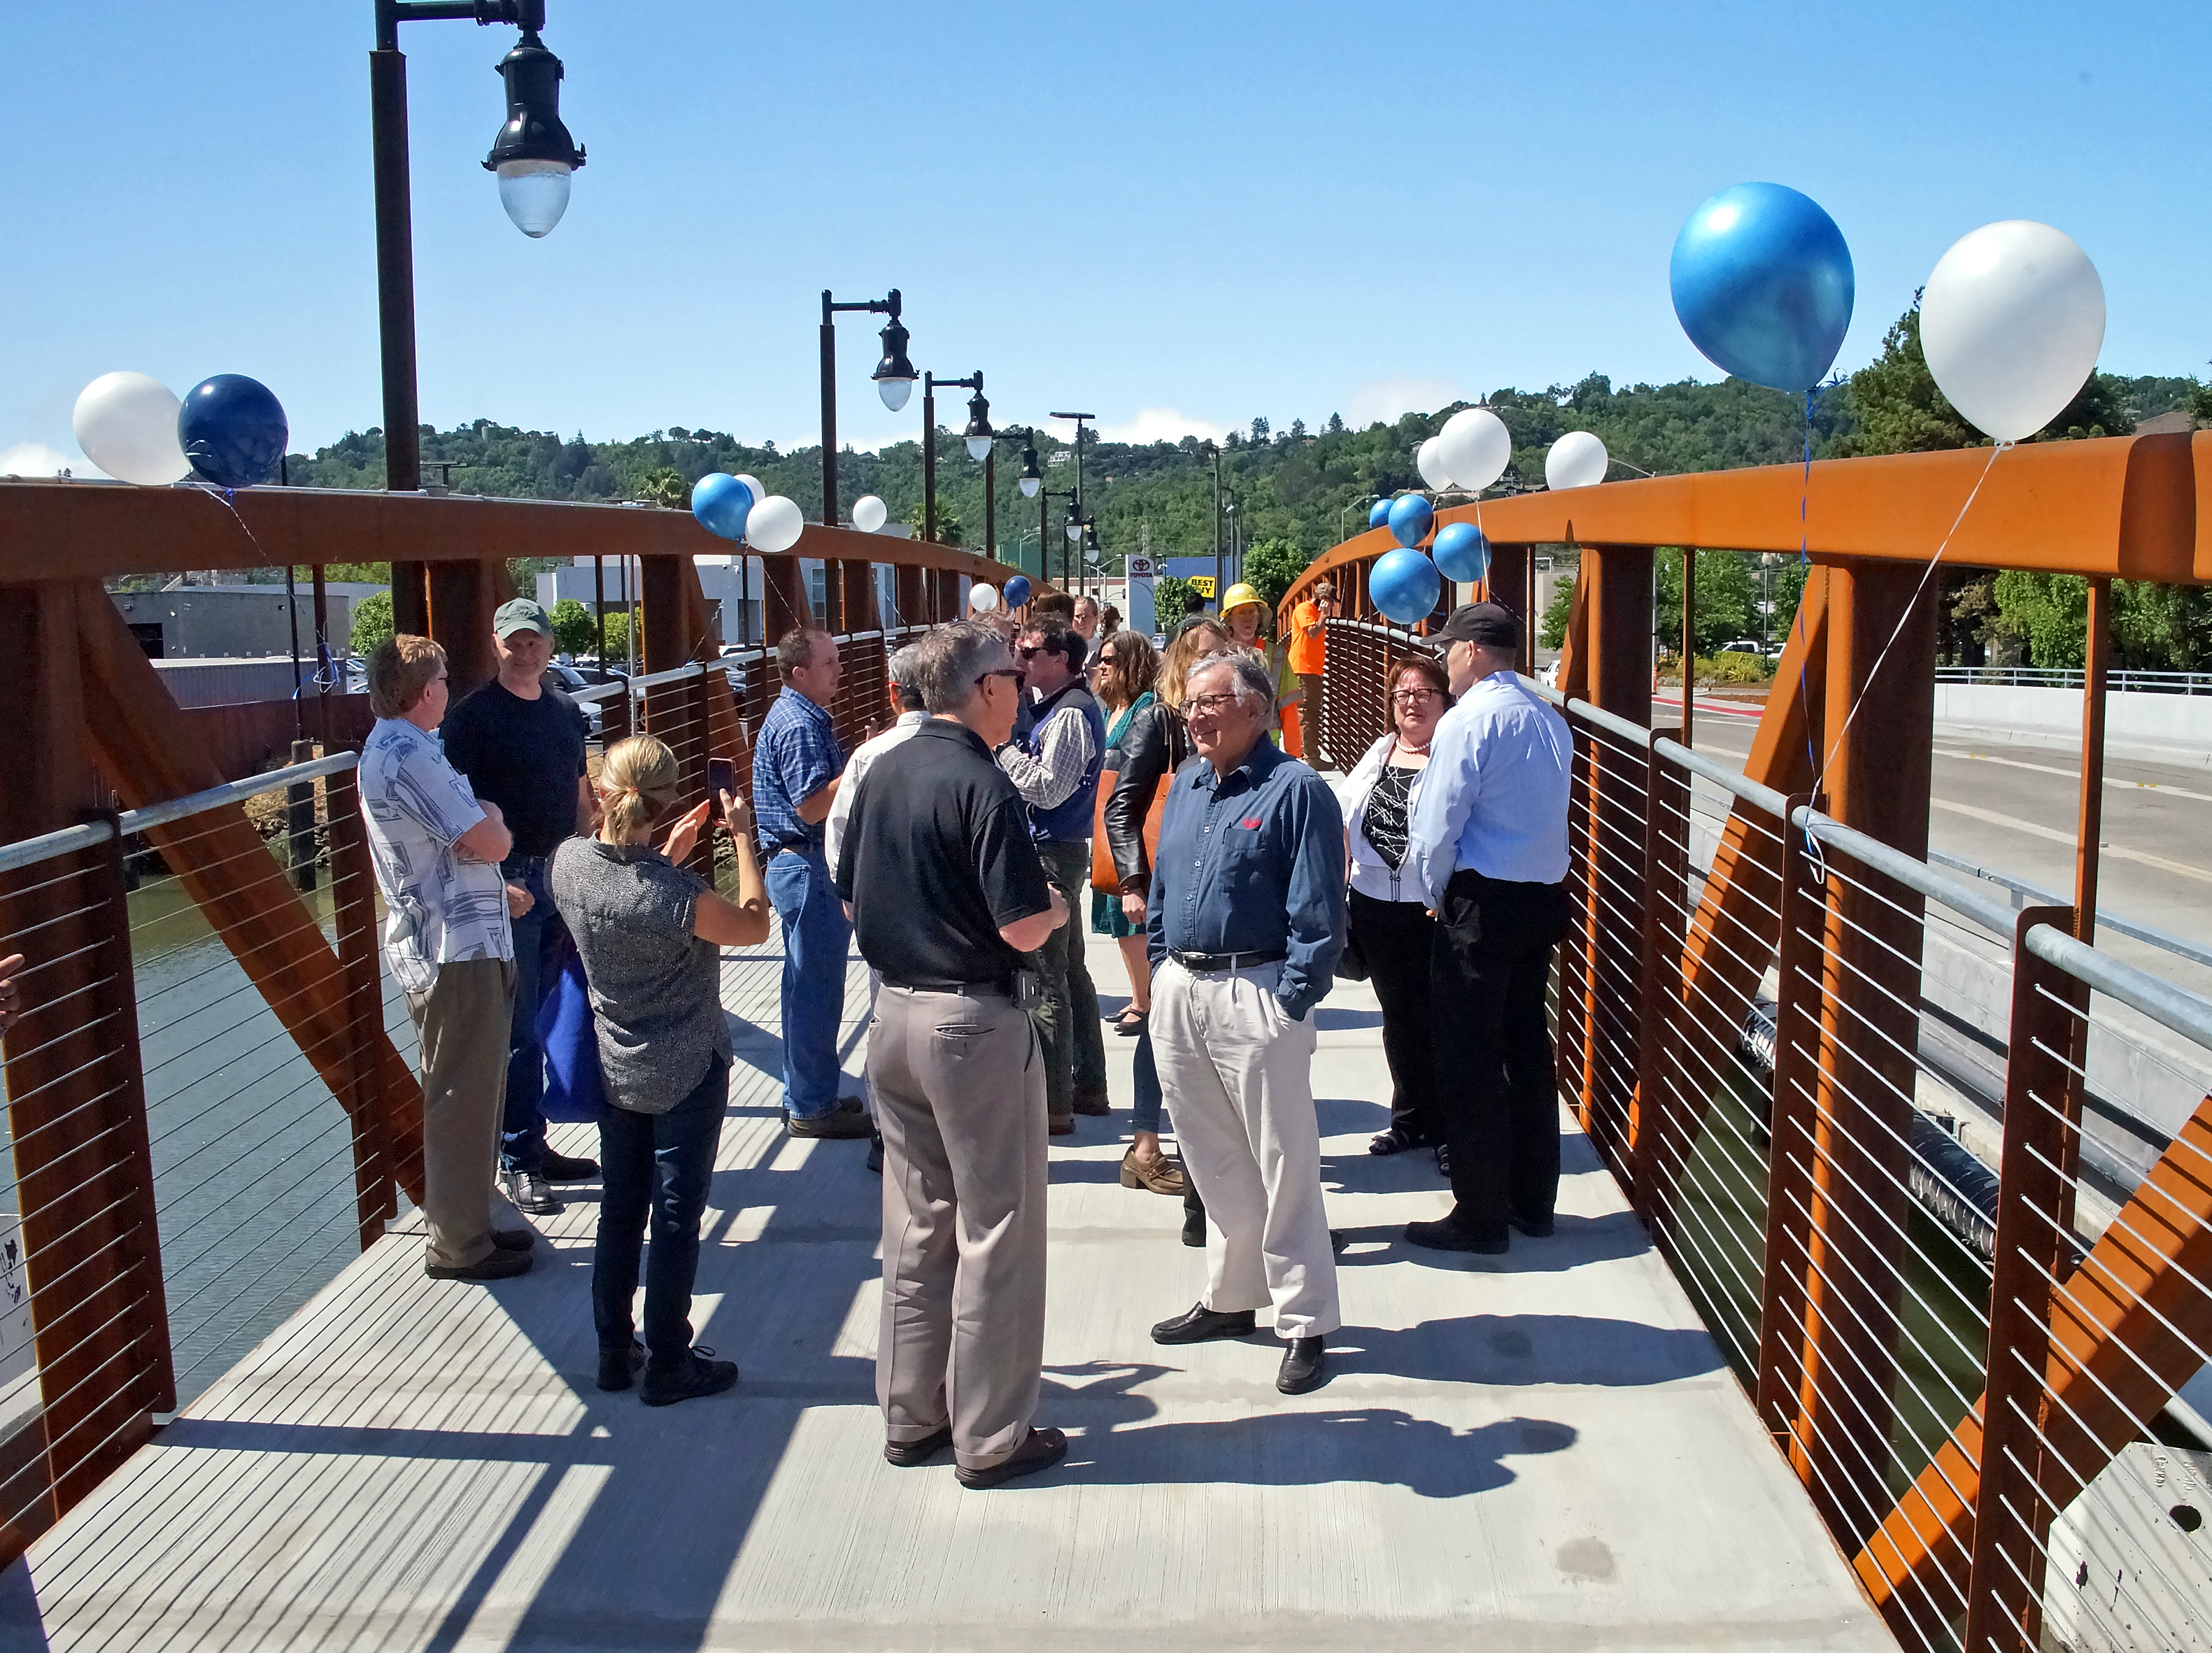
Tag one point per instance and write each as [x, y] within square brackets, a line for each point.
[1154, 746]
[1121, 678]
[650, 933]
[1389, 919]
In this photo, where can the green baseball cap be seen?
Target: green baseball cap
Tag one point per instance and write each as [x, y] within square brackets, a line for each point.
[521, 615]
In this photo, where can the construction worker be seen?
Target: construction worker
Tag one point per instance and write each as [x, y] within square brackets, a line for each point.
[1244, 612]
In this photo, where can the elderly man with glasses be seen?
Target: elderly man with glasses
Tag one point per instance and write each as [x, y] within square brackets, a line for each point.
[1245, 920]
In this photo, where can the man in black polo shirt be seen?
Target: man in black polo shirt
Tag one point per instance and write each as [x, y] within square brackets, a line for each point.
[521, 743]
[947, 893]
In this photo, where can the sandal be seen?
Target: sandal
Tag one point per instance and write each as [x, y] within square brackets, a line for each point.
[1394, 1141]
[1129, 1022]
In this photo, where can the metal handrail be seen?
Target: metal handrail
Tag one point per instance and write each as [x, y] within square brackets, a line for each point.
[29, 851]
[2128, 680]
[2163, 939]
[1750, 791]
[1912, 873]
[2176, 1009]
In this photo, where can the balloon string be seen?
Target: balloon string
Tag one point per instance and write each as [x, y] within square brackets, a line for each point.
[227, 498]
[1905, 618]
[1804, 569]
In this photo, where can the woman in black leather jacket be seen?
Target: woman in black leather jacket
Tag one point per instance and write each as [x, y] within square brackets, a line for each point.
[1157, 743]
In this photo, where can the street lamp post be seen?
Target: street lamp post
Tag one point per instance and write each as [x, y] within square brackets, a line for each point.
[977, 436]
[1045, 497]
[894, 377]
[1031, 480]
[1080, 419]
[1212, 450]
[534, 157]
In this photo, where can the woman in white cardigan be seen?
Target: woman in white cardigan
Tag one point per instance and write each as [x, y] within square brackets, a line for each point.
[1390, 921]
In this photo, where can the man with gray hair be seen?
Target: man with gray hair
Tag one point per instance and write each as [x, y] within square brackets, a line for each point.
[1244, 922]
[948, 893]
[905, 672]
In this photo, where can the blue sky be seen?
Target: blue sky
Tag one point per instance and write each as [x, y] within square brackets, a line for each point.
[1175, 216]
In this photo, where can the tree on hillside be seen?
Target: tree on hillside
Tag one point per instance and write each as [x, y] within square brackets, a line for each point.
[372, 622]
[948, 521]
[664, 485]
[1272, 564]
[1895, 402]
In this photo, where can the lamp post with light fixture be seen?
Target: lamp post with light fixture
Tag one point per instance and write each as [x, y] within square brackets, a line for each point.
[1030, 481]
[977, 436]
[894, 379]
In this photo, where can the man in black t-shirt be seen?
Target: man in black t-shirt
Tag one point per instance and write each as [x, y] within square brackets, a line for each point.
[947, 893]
[521, 743]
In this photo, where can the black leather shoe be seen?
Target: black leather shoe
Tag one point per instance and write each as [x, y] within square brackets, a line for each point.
[513, 1239]
[618, 1366]
[876, 1154]
[907, 1454]
[1194, 1221]
[1305, 1365]
[1445, 1235]
[564, 1168]
[698, 1375]
[1539, 1228]
[1200, 1324]
[531, 1192]
[1043, 1449]
[499, 1266]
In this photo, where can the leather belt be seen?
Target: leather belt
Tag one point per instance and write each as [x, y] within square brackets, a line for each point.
[1226, 960]
[969, 989]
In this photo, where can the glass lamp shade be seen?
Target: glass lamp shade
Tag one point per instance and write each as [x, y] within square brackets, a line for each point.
[979, 448]
[535, 193]
[893, 391]
[1075, 528]
[1030, 486]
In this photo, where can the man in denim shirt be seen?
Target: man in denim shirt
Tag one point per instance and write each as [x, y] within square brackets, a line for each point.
[1245, 922]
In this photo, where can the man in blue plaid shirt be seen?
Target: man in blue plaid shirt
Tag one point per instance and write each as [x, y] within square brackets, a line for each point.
[796, 765]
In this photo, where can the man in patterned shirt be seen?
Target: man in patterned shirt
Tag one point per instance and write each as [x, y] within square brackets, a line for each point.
[450, 946]
[796, 765]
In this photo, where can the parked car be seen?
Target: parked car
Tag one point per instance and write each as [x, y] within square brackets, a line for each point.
[571, 680]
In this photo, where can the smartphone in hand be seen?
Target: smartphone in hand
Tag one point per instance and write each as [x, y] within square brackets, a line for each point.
[721, 777]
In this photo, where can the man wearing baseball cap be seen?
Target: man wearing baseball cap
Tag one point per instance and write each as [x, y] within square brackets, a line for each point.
[521, 743]
[1488, 841]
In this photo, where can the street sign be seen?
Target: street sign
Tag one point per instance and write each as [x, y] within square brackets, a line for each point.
[1140, 568]
[1203, 585]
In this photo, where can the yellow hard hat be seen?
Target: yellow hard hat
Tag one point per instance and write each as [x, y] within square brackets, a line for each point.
[1239, 595]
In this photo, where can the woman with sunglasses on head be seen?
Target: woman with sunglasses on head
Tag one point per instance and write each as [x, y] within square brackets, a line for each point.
[1122, 679]
[1156, 743]
[1391, 923]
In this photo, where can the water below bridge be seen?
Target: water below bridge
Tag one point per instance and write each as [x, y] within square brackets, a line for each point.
[1545, 1451]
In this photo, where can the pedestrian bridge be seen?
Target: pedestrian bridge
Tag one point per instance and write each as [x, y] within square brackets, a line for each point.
[1544, 1450]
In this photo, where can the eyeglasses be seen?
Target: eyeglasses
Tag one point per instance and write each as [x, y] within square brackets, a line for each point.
[1015, 673]
[1031, 651]
[1212, 705]
[1408, 696]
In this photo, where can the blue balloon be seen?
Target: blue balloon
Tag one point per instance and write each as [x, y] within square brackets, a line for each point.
[1018, 591]
[721, 503]
[1763, 285]
[1378, 513]
[1462, 551]
[1405, 586]
[233, 430]
[1410, 518]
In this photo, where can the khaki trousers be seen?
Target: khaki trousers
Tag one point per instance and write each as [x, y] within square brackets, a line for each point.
[463, 1022]
[1309, 716]
[959, 1087]
[1238, 1075]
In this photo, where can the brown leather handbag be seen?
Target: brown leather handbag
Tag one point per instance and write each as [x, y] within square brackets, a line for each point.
[1105, 877]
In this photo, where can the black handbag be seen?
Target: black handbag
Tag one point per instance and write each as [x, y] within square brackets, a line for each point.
[1351, 962]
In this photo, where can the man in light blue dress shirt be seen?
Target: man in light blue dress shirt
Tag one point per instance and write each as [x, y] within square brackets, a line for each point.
[1488, 841]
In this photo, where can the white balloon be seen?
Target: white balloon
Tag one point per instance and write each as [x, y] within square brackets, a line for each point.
[1428, 460]
[2012, 318]
[982, 599]
[868, 514]
[774, 524]
[1578, 459]
[760, 491]
[126, 423]
[1475, 448]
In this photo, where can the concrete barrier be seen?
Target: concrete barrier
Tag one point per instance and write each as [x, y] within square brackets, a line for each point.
[2181, 722]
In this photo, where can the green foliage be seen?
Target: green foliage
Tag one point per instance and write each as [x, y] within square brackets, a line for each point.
[1894, 401]
[1272, 564]
[1727, 598]
[2048, 612]
[1174, 601]
[372, 621]
[617, 636]
[1554, 633]
[2154, 628]
[1734, 668]
[948, 520]
[574, 631]
[664, 485]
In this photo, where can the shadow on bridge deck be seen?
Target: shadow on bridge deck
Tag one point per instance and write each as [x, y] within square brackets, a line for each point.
[1542, 1451]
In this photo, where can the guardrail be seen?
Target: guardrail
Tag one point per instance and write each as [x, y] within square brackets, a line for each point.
[2118, 682]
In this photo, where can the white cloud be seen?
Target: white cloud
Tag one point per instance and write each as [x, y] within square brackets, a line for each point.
[37, 460]
[1161, 425]
[1387, 399]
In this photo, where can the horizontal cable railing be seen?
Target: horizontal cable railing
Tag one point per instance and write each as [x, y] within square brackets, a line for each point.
[2123, 680]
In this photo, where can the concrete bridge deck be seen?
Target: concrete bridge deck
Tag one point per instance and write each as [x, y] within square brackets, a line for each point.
[1538, 1451]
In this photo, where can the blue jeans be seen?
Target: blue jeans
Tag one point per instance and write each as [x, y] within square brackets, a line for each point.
[815, 940]
[540, 935]
[1145, 1113]
[656, 1166]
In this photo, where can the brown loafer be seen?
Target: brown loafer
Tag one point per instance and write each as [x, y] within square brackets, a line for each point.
[1161, 1176]
[908, 1454]
[1060, 1124]
[1043, 1449]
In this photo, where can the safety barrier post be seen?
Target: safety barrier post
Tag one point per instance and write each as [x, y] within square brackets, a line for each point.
[2004, 1596]
[1658, 1135]
[1803, 896]
[353, 899]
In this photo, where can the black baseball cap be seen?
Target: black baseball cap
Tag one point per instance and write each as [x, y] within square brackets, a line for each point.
[1490, 624]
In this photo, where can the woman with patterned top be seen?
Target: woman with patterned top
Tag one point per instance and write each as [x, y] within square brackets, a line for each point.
[650, 933]
[1390, 922]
